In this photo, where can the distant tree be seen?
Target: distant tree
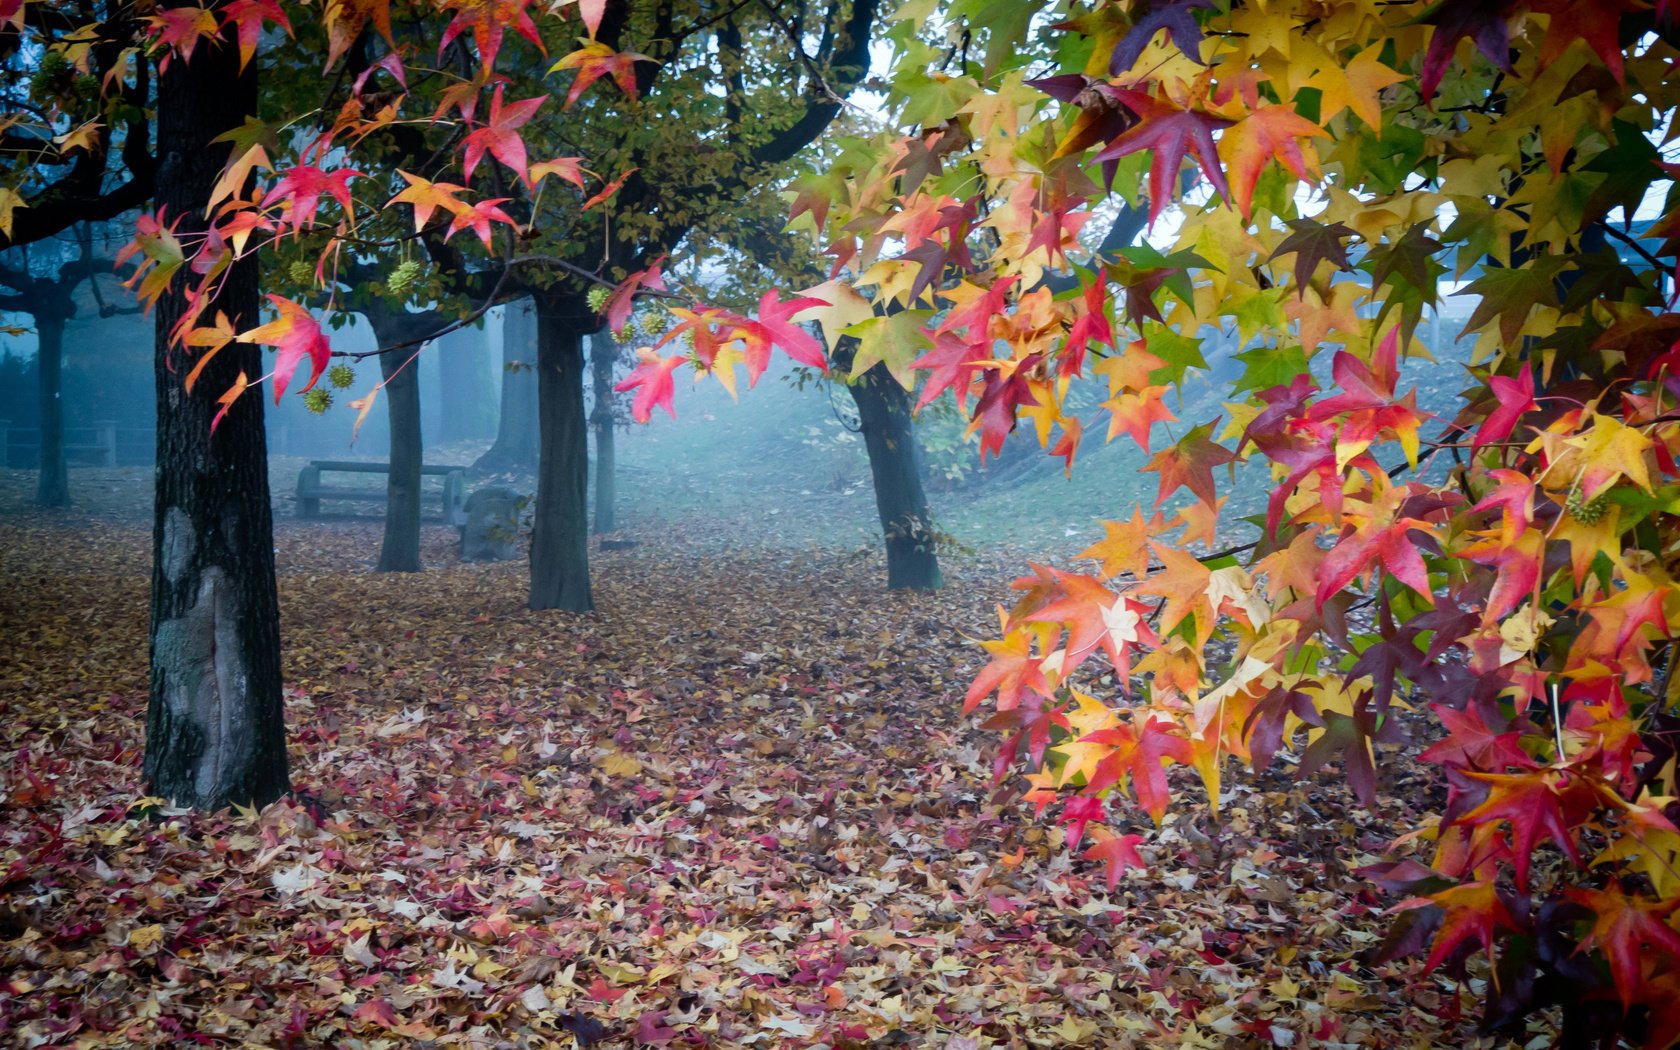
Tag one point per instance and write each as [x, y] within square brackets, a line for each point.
[44, 285]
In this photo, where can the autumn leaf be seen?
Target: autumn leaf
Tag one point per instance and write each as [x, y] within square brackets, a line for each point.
[1170, 132]
[500, 136]
[295, 335]
[1269, 133]
[594, 60]
[652, 382]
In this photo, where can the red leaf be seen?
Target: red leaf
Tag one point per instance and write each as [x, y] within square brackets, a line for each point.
[1170, 132]
[500, 137]
[652, 382]
[295, 334]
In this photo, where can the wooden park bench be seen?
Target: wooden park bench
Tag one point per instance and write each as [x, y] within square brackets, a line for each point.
[310, 491]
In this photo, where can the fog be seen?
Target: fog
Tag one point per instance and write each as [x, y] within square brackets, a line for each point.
[783, 465]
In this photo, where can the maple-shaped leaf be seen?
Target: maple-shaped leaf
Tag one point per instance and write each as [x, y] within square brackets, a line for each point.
[179, 30]
[1533, 803]
[248, 16]
[1311, 243]
[478, 218]
[1389, 545]
[1470, 743]
[1515, 398]
[1170, 132]
[1116, 852]
[1013, 670]
[345, 20]
[1091, 324]
[1471, 910]
[608, 190]
[1067, 446]
[1628, 931]
[1189, 464]
[1177, 17]
[1268, 133]
[1124, 548]
[1135, 412]
[623, 296]
[295, 334]
[160, 253]
[425, 197]
[652, 382]
[1483, 21]
[1512, 293]
[299, 189]
[773, 326]
[1141, 753]
[1006, 390]
[1356, 86]
[595, 60]
[500, 137]
[489, 21]
[391, 63]
[1182, 581]
[568, 169]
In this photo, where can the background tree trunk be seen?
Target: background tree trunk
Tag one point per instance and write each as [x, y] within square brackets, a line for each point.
[895, 463]
[400, 550]
[603, 355]
[515, 450]
[560, 535]
[214, 722]
[465, 412]
[52, 487]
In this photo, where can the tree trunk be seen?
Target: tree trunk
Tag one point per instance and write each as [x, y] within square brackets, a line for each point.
[400, 551]
[603, 354]
[52, 488]
[560, 535]
[214, 721]
[464, 409]
[515, 450]
[895, 462]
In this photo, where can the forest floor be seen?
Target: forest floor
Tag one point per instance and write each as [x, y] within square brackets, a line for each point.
[738, 806]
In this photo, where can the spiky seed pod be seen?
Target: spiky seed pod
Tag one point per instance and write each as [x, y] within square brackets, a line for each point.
[1587, 512]
[317, 399]
[403, 276]
[300, 272]
[341, 376]
[598, 298]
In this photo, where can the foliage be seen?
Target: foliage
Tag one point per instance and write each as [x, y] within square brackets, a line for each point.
[1347, 160]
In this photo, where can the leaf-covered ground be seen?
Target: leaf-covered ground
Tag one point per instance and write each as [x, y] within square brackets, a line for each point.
[737, 807]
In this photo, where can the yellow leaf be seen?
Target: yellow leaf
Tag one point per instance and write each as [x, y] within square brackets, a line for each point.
[619, 764]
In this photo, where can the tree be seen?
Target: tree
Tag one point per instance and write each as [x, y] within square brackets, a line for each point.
[604, 354]
[515, 448]
[393, 326]
[214, 722]
[465, 399]
[50, 300]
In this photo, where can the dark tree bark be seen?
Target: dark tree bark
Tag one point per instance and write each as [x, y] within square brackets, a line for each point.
[52, 486]
[214, 721]
[515, 450]
[603, 354]
[895, 463]
[464, 409]
[400, 549]
[560, 534]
